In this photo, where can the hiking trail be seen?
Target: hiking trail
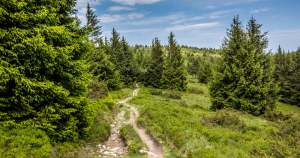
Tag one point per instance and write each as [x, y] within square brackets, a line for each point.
[155, 148]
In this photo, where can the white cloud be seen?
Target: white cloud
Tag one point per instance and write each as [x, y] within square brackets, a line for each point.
[133, 2]
[260, 10]
[107, 18]
[211, 7]
[83, 3]
[195, 26]
[155, 20]
[138, 30]
[119, 8]
[213, 15]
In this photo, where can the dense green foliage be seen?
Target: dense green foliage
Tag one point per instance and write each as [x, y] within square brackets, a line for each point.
[43, 78]
[287, 74]
[174, 75]
[244, 79]
[27, 142]
[102, 68]
[155, 67]
[205, 72]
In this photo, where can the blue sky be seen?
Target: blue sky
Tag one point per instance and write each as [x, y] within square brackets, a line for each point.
[200, 23]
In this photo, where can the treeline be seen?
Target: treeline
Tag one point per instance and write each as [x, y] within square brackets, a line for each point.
[287, 75]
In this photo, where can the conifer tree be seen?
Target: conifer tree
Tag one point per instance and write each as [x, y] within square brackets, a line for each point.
[194, 66]
[279, 60]
[92, 24]
[102, 67]
[43, 77]
[156, 65]
[295, 80]
[205, 72]
[174, 75]
[127, 65]
[115, 49]
[244, 79]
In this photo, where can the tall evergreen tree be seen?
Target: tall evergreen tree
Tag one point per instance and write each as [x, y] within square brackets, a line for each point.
[295, 80]
[127, 69]
[92, 23]
[43, 78]
[156, 65]
[194, 66]
[205, 72]
[102, 67]
[244, 79]
[115, 49]
[174, 75]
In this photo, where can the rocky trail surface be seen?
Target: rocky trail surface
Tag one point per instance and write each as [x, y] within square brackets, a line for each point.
[115, 147]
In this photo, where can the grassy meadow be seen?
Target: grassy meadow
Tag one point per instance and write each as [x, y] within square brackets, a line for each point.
[195, 131]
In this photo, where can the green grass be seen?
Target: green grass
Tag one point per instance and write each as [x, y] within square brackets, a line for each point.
[133, 140]
[194, 138]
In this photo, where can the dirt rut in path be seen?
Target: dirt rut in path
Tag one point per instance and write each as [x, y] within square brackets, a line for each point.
[156, 149]
[114, 146]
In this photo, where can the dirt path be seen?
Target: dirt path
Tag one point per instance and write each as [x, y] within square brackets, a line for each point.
[155, 148]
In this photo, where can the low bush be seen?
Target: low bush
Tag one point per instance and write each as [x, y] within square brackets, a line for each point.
[97, 89]
[183, 104]
[173, 94]
[196, 106]
[24, 142]
[195, 90]
[191, 81]
[153, 91]
[274, 115]
[227, 118]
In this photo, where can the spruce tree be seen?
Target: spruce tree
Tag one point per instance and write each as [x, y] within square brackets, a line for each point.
[92, 24]
[174, 75]
[205, 72]
[43, 77]
[102, 67]
[295, 80]
[127, 69]
[244, 79]
[194, 66]
[115, 49]
[155, 66]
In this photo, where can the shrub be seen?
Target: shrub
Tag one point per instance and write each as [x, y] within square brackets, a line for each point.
[183, 104]
[191, 81]
[227, 118]
[98, 89]
[173, 94]
[273, 115]
[153, 91]
[195, 90]
[24, 142]
[196, 106]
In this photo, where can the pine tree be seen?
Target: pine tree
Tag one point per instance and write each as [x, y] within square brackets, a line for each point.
[43, 77]
[194, 66]
[156, 65]
[244, 79]
[115, 49]
[295, 80]
[102, 67]
[127, 70]
[174, 75]
[92, 24]
[205, 72]
[279, 60]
